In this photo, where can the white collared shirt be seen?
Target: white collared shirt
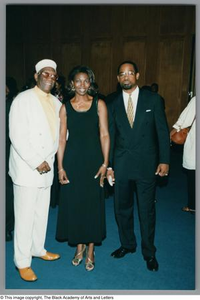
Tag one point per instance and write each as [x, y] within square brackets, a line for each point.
[134, 96]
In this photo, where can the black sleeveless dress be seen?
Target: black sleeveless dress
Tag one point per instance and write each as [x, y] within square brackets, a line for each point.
[81, 212]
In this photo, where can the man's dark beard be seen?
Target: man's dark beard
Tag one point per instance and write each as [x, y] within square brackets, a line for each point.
[126, 86]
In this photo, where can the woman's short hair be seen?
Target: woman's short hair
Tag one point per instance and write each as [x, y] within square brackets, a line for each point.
[93, 89]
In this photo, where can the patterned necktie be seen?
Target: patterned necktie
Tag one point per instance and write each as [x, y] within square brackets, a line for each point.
[130, 111]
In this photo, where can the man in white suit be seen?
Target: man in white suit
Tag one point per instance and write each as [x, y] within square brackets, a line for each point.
[34, 134]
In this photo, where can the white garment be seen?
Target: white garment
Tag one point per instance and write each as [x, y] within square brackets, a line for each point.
[31, 140]
[134, 96]
[185, 120]
[31, 207]
[31, 144]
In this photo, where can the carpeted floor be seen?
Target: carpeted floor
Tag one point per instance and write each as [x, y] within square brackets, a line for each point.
[175, 242]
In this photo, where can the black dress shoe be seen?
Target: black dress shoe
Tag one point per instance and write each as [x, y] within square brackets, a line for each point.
[8, 236]
[152, 264]
[121, 252]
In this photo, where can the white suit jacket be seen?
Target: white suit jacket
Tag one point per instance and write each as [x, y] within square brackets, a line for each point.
[31, 140]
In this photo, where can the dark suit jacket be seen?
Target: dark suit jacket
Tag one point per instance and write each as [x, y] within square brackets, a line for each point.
[136, 152]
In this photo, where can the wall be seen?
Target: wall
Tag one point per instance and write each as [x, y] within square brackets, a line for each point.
[157, 38]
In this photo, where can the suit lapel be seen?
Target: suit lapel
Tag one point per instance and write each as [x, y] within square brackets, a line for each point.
[121, 113]
[142, 105]
[139, 114]
[139, 110]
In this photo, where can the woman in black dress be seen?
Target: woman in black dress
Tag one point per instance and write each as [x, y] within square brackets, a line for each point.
[82, 163]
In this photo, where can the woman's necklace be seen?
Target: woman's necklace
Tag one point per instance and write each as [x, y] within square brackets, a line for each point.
[82, 104]
[78, 105]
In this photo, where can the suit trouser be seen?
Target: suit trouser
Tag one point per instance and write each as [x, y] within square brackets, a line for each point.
[31, 207]
[124, 205]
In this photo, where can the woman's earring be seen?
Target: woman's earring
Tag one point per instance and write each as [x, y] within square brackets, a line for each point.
[73, 88]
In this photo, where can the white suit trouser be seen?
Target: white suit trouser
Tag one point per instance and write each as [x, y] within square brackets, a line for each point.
[31, 206]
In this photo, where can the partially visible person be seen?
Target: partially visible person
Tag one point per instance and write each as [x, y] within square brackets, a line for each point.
[34, 135]
[30, 83]
[82, 163]
[59, 90]
[140, 151]
[186, 119]
[11, 88]
[11, 92]
[146, 87]
[154, 88]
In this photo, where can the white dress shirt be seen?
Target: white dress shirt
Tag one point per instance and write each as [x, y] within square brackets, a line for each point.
[134, 96]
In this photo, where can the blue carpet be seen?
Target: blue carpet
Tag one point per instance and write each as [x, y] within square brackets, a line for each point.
[175, 242]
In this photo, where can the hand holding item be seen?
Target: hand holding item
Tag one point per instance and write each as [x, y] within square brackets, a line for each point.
[110, 176]
[43, 168]
[102, 173]
[63, 179]
[110, 181]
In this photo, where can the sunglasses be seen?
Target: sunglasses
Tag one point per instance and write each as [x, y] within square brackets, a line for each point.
[47, 75]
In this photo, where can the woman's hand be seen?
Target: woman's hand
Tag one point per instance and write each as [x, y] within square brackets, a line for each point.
[110, 176]
[63, 179]
[101, 173]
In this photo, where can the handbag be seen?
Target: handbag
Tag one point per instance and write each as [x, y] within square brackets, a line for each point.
[179, 137]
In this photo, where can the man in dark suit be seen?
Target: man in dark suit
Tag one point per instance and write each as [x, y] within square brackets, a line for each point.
[140, 150]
